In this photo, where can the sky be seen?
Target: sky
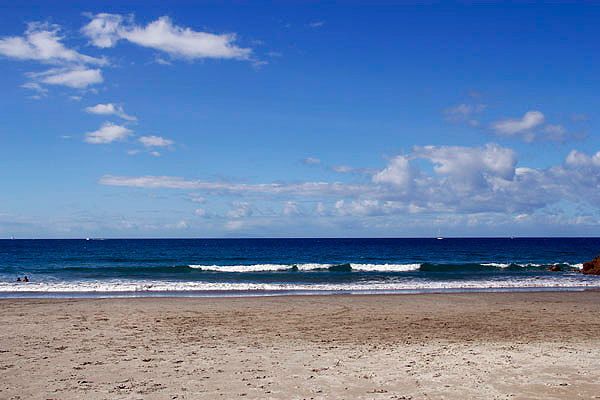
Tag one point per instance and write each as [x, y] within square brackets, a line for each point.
[299, 119]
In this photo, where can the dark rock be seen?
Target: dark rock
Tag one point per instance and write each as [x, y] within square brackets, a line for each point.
[554, 268]
[592, 267]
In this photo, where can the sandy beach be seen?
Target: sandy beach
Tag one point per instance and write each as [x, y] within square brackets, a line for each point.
[451, 346]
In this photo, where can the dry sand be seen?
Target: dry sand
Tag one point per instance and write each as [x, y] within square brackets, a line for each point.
[452, 346]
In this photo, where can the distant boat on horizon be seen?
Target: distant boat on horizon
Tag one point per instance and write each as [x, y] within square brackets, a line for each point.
[439, 236]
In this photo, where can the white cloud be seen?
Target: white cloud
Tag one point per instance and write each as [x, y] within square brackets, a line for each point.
[110, 109]
[291, 209]
[523, 126]
[104, 30]
[240, 209]
[108, 133]
[200, 212]
[197, 199]
[35, 86]
[580, 159]
[234, 225]
[556, 133]
[133, 152]
[155, 153]
[42, 43]
[316, 24]
[320, 210]
[464, 112]
[77, 77]
[398, 173]
[155, 141]
[178, 225]
[172, 182]
[310, 161]
[449, 180]
[470, 166]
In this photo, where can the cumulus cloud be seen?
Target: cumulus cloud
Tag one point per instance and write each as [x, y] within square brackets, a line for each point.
[449, 179]
[155, 141]
[108, 133]
[470, 167]
[110, 109]
[580, 159]
[523, 127]
[105, 30]
[398, 173]
[42, 43]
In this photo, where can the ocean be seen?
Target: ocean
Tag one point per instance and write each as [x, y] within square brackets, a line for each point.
[263, 267]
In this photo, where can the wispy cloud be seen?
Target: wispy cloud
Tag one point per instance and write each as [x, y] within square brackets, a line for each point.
[531, 128]
[464, 113]
[316, 24]
[310, 161]
[105, 30]
[110, 109]
[522, 127]
[78, 78]
[36, 87]
[155, 141]
[462, 179]
[42, 43]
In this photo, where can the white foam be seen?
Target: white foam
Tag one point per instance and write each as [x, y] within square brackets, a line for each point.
[385, 267]
[243, 268]
[498, 265]
[576, 280]
[306, 267]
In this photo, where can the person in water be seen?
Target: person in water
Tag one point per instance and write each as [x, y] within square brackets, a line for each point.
[25, 279]
[18, 279]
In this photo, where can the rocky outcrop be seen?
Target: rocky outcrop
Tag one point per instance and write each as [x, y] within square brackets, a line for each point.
[592, 267]
[554, 268]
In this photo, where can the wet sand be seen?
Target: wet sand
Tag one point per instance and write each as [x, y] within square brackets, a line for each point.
[452, 346]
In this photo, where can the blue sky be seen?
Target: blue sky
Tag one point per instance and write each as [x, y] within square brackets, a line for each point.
[132, 119]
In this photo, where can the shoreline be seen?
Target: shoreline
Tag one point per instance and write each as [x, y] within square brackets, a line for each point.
[7, 295]
[455, 346]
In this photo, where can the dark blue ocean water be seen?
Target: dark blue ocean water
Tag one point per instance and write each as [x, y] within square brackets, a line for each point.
[274, 266]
